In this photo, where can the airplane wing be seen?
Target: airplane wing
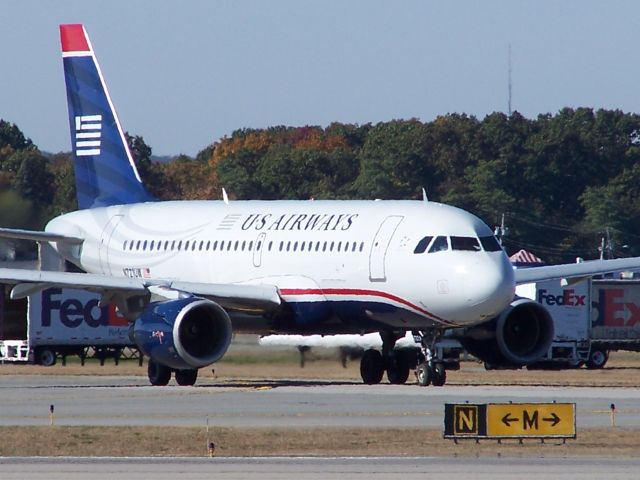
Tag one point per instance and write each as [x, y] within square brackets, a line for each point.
[230, 296]
[572, 270]
[37, 236]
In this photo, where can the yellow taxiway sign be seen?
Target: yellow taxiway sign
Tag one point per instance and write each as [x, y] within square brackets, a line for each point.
[531, 419]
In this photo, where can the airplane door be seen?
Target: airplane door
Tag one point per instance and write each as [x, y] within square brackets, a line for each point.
[257, 250]
[103, 250]
[379, 248]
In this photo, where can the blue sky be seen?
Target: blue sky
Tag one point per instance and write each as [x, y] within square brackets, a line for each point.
[184, 74]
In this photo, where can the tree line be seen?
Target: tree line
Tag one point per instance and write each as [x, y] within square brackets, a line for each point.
[563, 182]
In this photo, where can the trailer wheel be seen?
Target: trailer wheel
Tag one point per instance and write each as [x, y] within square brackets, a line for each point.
[597, 358]
[46, 357]
[159, 375]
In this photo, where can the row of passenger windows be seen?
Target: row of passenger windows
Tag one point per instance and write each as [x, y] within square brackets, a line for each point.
[238, 245]
[442, 243]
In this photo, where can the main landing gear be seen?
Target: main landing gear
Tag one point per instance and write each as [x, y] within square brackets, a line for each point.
[159, 375]
[397, 363]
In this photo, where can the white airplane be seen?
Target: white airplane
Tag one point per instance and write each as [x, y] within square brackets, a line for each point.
[189, 273]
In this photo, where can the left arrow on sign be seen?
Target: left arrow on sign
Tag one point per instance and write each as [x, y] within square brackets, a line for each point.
[507, 419]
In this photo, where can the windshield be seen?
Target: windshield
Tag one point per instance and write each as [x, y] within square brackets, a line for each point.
[465, 243]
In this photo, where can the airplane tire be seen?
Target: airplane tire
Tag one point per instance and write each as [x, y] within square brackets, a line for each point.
[371, 367]
[424, 374]
[398, 368]
[46, 357]
[439, 375]
[597, 358]
[186, 377]
[159, 375]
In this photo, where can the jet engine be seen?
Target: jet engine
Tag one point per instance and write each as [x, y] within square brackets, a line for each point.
[187, 333]
[520, 335]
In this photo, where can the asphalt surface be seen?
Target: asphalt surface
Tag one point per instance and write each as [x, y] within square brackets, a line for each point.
[318, 468]
[124, 401]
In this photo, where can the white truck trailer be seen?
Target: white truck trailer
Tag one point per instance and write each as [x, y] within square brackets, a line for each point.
[59, 322]
[591, 318]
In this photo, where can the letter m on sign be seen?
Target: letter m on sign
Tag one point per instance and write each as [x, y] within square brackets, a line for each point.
[466, 419]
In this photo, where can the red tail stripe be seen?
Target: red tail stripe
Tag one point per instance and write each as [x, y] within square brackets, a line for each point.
[73, 39]
[358, 292]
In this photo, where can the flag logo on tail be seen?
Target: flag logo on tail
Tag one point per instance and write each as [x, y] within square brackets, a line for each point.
[88, 133]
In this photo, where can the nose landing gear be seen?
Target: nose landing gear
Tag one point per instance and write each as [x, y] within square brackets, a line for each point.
[431, 370]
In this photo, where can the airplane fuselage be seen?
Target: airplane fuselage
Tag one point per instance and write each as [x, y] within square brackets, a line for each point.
[341, 265]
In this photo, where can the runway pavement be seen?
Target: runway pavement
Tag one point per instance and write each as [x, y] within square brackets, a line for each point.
[318, 468]
[79, 400]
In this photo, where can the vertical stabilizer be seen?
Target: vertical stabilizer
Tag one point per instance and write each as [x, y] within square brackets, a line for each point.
[104, 168]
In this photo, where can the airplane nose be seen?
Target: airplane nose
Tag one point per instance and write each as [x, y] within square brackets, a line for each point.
[489, 286]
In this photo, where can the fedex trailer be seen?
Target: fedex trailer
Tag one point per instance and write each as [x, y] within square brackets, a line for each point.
[59, 322]
[591, 318]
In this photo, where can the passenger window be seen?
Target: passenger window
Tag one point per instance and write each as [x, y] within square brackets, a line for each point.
[270, 245]
[422, 245]
[490, 244]
[186, 244]
[317, 246]
[144, 245]
[251, 246]
[361, 246]
[440, 244]
[193, 246]
[468, 244]
[244, 244]
[180, 245]
[302, 247]
[295, 246]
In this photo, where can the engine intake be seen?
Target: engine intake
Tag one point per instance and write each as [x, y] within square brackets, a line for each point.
[186, 333]
[520, 335]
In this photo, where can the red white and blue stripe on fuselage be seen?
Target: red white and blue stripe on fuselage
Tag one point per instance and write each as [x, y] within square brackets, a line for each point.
[356, 308]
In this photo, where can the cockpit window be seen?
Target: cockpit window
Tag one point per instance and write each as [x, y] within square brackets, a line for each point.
[440, 244]
[422, 245]
[490, 244]
[470, 244]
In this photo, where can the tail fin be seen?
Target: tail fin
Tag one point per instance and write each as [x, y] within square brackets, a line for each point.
[104, 168]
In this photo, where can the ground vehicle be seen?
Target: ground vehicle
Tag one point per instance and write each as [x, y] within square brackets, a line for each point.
[590, 318]
[60, 322]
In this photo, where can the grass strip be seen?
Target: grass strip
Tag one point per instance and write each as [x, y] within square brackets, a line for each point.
[239, 442]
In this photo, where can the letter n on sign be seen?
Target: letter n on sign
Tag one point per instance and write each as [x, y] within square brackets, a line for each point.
[464, 420]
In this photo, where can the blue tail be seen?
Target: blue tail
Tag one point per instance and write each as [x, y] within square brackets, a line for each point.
[104, 168]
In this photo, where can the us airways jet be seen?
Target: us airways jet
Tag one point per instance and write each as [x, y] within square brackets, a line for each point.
[186, 274]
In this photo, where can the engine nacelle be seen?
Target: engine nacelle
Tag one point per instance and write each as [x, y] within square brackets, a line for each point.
[187, 333]
[520, 335]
